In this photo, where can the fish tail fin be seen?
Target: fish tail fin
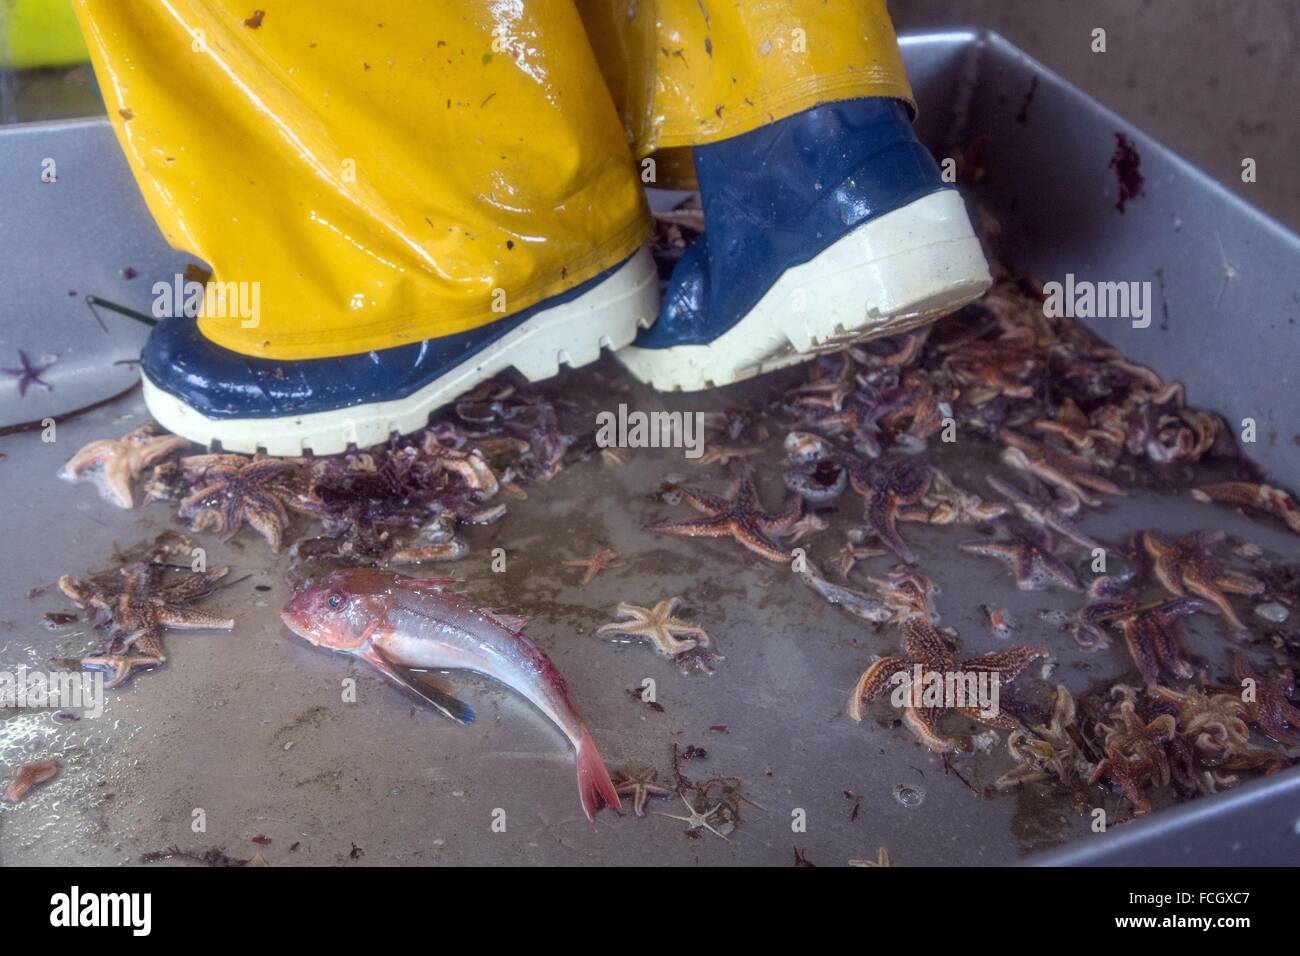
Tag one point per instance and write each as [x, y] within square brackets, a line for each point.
[595, 789]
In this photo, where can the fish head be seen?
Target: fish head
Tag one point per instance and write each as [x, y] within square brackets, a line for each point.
[342, 610]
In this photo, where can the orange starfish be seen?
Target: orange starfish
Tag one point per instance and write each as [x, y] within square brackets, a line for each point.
[1186, 565]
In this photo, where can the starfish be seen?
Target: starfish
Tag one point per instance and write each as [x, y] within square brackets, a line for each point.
[1041, 508]
[882, 859]
[253, 490]
[1215, 724]
[907, 592]
[1060, 469]
[1002, 365]
[924, 647]
[659, 625]
[859, 413]
[1186, 565]
[740, 516]
[639, 785]
[853, 552]
[724, 454]
[1030, 556]
[141, 603]
[888, 487]
[1050, 752]
[598, 562]
[809, 524]
[1136, 749]
[1271, 710]
[1071, 425]
[142, 600]
[1150, 630]
[1247, 494]
[28, 776]
[115, 463]
[945, 503]
[470, 466]
[696, 820]
[121, 662]
[29, 374]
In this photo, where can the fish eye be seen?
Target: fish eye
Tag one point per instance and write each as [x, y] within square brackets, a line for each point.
[335, 600]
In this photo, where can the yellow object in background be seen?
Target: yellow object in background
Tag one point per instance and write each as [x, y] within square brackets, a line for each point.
[39, 33]
[386, 173]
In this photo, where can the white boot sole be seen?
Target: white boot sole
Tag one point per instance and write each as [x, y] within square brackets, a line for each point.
[902, 270]
[571, 333]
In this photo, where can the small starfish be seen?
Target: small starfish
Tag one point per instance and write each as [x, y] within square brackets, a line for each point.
[888, 487]
[811, 523]
[1061, 469]
[639, 785]
[740, 516]
[1186, 565]
[142, 600]
[115, 463]
[29, 374]
[924, 646]
[1271, 711]
[1030, 556]
[30, 775]
[144, 653]
[1128, 775]
[724, 454]
[946, 503]
[1258, 497]
[1050, 512]
[907, 592]
[1136, 749]
[882, 859]
[853, 552]
[598, 562]
[1071, 425]
[696, 820]
[141, 604]
[470, 466]
[1150, 630]
[252, 490]
[659, 625]
[1050, 752]
[1003, 365]
[1215, 724]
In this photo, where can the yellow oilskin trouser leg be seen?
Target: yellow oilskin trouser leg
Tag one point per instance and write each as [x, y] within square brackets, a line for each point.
[689, 72]
[384, 172]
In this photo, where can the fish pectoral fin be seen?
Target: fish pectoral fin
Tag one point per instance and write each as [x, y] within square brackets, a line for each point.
[430, 688]
[511, 622]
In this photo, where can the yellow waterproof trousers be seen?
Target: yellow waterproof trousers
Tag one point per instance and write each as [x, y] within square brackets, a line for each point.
[395, 170]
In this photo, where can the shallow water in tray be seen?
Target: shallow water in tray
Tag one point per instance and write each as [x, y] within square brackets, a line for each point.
[244, 740]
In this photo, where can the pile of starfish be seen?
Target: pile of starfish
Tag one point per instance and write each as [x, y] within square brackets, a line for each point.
[1072, 424]
[401, 502]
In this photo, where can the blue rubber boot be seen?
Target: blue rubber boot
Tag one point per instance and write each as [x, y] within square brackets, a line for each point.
[211, 395]
[825, 228]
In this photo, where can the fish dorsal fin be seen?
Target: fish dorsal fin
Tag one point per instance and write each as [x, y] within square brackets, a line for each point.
[430, 688]
[511, 622]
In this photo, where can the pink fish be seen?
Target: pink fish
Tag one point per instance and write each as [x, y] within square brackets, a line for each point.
[394, 621]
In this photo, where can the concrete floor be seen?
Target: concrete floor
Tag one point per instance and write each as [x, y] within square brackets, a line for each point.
[1216, 81]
